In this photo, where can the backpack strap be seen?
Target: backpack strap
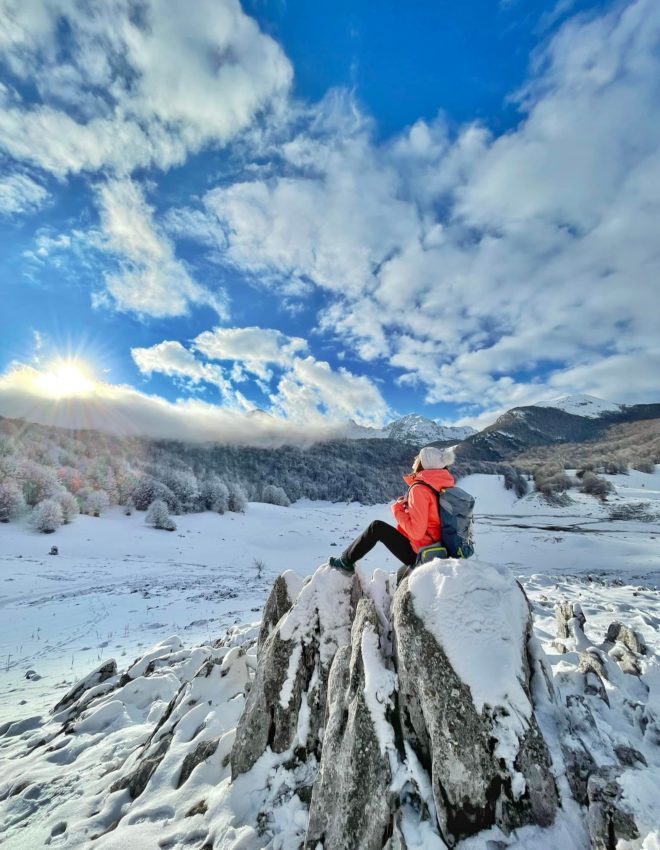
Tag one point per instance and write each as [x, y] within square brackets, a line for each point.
[425, 484]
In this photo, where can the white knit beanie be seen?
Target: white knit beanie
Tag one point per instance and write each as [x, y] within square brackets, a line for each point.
[434, 458]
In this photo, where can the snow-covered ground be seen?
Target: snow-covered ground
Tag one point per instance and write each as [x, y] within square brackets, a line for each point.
[118, 587]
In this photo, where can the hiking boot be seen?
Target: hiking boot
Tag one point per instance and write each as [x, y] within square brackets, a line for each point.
[341, 564]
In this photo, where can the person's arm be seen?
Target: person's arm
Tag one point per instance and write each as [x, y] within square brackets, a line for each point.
[413, 515]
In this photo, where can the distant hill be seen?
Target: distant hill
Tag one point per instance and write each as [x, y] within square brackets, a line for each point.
[581, 405]
[522, 429]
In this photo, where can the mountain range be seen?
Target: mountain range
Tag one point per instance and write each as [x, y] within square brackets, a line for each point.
[550, 423]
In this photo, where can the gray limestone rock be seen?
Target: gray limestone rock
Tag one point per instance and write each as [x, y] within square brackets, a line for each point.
[96, 677]
[609, 820]
[278, 603]
[565, 612]
[293, 665]
[472, 789]
[351, 802]
[631, 639]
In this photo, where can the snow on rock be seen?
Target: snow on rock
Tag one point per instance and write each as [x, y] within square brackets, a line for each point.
[479, 615]
[351, 802]
[462, 629]
[359, 715]
[293, 669]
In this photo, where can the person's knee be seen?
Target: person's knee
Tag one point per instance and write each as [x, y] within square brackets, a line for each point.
[377, 526]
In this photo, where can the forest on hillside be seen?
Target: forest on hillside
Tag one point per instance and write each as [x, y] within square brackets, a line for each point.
[67, 472]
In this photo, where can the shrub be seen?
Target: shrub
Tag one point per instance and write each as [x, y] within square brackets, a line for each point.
[237, 498]
[12, 503]
[214, 495]
[70, 506]
[46, 516]
[515, 480]
[595, 486]
[551, 480]
[158, 516]
[97, 502]
[274, 495]
[644, 464]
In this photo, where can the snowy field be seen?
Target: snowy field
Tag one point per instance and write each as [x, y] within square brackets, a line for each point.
[117, 587]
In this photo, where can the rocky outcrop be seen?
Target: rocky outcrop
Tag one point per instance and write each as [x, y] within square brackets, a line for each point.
[370, 696]
[474, 787]
[285, 708]
[352, 802]
[609, 819]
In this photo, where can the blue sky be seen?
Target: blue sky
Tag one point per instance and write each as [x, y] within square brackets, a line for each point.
[448, 208]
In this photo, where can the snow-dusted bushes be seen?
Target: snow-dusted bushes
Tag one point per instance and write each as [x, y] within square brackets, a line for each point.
[69, 505]
[158, 516]
[39, 482]
[96, 503]
[214, 494]
[274, 495]
[46, 516]
[237, 498]
[12, 503]
[148, 489]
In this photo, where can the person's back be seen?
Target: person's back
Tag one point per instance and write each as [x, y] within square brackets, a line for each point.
[417, 515]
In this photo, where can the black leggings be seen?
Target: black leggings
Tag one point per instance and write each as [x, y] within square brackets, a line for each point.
[379, 531]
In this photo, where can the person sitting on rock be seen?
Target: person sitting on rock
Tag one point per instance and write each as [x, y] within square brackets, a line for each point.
[417, 515]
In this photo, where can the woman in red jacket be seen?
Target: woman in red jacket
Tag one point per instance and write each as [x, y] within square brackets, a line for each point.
[417, 516]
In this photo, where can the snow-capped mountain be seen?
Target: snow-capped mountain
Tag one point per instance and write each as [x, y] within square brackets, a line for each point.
[581, 405]
[414, 429]
[419, 430]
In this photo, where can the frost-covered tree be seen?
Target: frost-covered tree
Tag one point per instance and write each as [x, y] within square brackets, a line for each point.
[274, 495]
[39, 482]
[69, 505]
[148, 489]
[158, 516]
[214, 494]
[12, 503]
[183, 483]
[46, 516]
[237, 498]
[96, 502]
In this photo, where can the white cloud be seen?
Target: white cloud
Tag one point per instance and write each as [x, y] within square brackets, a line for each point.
[478, 264]
[152, 281]
[308, 390]
[249, 345]
[140, 85]
[171, 358]
[124, 410]
[19, 193]
[312, 389]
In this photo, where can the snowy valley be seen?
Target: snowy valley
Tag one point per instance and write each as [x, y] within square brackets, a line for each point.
[142, 753]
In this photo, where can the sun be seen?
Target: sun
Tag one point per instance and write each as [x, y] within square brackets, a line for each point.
[66, 379]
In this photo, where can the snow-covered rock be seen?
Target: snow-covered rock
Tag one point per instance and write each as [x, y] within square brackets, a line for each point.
[462, 630]
[352, 801]
[285, 708]
[358, 715]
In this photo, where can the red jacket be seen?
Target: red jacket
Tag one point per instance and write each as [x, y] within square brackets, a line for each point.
[417, 516]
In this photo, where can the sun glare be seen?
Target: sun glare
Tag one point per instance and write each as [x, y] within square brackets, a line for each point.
[65, 379]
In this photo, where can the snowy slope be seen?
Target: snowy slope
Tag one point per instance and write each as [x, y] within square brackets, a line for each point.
[119, 588]
[580, 405]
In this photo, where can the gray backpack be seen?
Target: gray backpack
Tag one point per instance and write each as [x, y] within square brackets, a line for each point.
[456, 509]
